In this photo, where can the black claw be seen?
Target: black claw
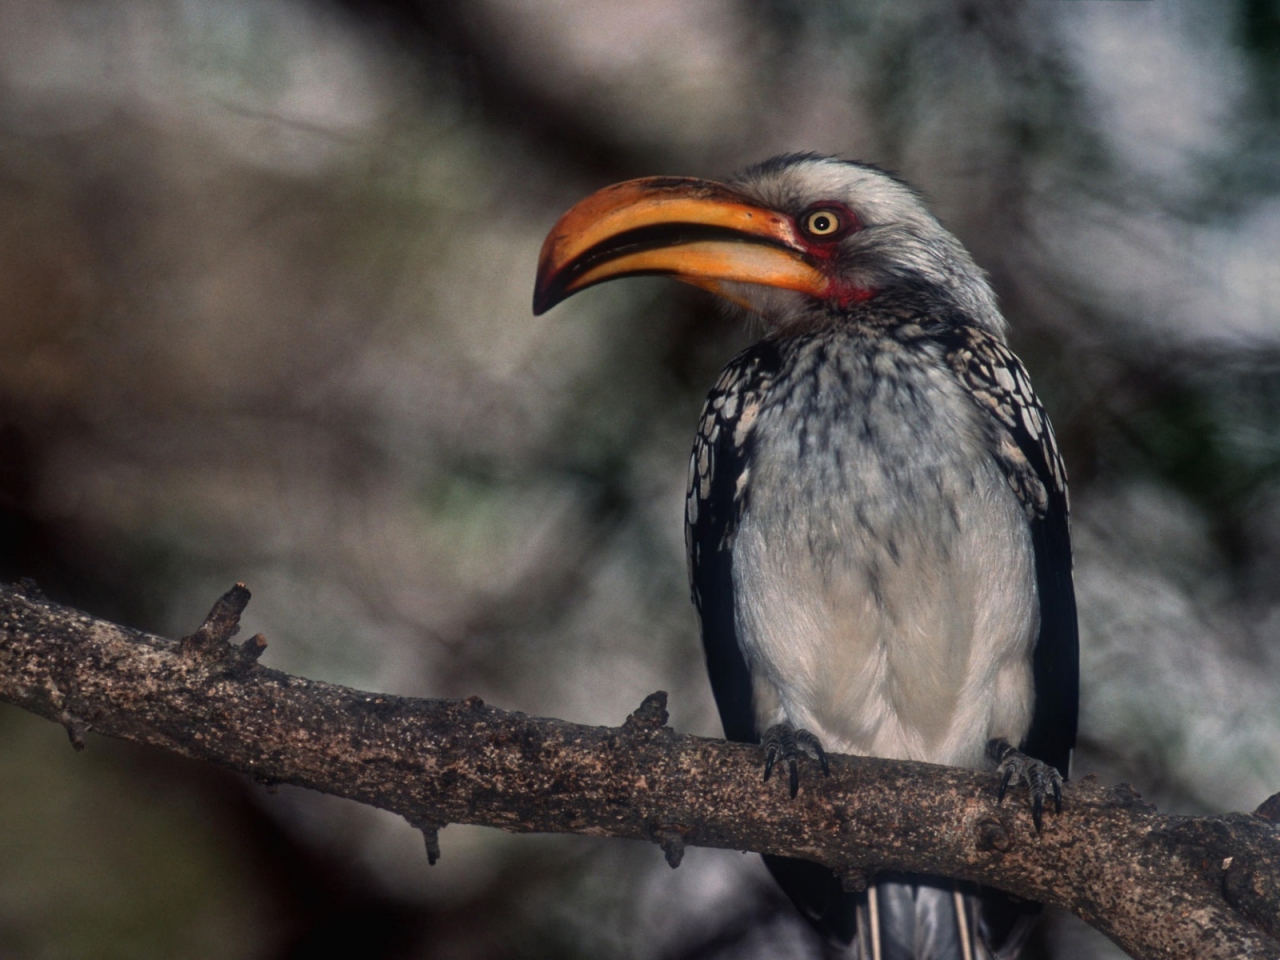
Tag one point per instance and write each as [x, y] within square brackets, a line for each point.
[814, 746]
[1004, 784]
[1041, 779]
[782, 742]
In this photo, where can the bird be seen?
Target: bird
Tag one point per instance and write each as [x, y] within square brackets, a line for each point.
[876, 518]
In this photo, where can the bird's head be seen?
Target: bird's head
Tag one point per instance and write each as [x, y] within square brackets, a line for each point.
[801, 240]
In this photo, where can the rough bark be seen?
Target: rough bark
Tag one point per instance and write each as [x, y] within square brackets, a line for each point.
[1160, 886]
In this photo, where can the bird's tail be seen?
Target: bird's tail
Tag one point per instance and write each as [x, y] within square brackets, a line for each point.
[913, 918]
[908, 917]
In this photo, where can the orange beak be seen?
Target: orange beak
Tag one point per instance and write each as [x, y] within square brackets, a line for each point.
[697, 231]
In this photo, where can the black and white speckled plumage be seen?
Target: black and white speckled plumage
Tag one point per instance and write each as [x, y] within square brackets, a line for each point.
[877, 513]
[877, 534]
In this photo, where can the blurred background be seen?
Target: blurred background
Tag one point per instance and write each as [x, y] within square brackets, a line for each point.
[265, 271]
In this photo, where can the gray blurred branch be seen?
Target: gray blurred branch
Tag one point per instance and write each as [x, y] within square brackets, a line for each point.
[1160, 886]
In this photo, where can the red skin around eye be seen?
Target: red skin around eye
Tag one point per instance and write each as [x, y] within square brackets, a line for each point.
[847, 294]
[824, 249]
[824, 246]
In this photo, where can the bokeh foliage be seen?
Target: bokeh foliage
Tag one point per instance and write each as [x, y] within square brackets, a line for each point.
[264, 279]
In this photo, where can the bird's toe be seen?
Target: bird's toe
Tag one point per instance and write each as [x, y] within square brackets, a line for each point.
[783, 742]
[1014, 767]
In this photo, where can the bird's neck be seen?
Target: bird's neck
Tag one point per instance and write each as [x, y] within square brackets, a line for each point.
[912, 312]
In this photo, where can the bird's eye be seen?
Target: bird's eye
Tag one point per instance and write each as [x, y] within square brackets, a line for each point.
[821, 223]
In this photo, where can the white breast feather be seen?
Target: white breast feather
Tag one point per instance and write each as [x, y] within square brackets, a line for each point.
[886, 596]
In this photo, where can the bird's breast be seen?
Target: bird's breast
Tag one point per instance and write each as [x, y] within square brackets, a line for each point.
[883, 571]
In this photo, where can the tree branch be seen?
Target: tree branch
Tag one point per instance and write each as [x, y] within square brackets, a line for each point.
[1160, 886]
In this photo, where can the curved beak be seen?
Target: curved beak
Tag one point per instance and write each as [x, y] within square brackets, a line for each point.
[698, 231]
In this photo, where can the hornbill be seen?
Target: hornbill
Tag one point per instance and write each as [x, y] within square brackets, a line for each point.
[876, 516]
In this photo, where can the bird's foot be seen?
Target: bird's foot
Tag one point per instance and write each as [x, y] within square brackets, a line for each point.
[784, 742]
[1014, 767]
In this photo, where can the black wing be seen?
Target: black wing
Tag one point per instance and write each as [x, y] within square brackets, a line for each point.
[719, 487]
[719, 477]
[1028, 453]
